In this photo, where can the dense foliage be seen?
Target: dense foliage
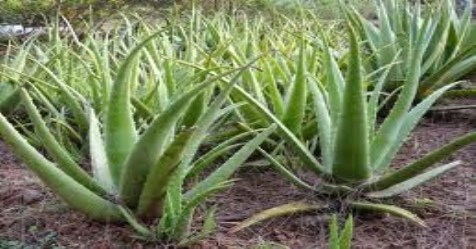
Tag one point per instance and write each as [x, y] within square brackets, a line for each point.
[142, 123]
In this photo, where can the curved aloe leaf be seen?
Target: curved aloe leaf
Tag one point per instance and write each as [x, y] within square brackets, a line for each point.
[446, 69]
[72, 192]
[59, 154]
[184, 220]
[120, 132]
[286, 173]
[422, 164]
[456, 72]
[99, 164]
[334, 84]
[286, 209]
[148, 149]
[324, 123]
[338, 239]
[70, 96]
[140, 228]
[202, 126]
[209, 226]
[305, 155]
[390, 209]
[408, 122]
[229, 167]
[151, 198]
[210, 157]
[413, 182]
[390, 128]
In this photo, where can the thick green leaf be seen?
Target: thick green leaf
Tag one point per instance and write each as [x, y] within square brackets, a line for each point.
[229, 167]
[99, 163]
[408, 123]
[72, 192]
[151, 198]
[305, 155]
[149, 147]
[390, 128]
[120, 131]
[324, 125]
[64, 160]
[345, 238]
[334, 233]
[351, 153]
[296, 104]
[420, 165]
[413, 182]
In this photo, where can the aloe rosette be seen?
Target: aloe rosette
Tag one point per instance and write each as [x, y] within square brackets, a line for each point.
[137, 174]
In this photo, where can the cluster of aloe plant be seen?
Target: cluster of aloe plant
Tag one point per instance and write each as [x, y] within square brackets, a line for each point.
[137, 172]
[356, 151]
[447, 56]
[155, 108]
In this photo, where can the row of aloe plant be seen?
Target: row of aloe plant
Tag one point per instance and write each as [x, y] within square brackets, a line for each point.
[164, 96]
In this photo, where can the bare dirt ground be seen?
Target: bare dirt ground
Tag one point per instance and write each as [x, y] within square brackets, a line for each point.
[32, 217]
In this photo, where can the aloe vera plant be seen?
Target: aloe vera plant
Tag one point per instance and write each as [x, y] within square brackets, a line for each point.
[356, 150]
[136, 175]
[447, 57]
